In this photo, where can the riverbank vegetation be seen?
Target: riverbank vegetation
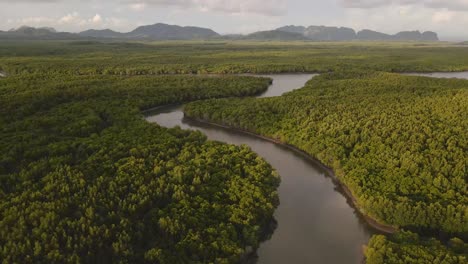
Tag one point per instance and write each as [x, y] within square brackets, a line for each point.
[408, 248]
[83, 178]
[398, 142]
[88, 57]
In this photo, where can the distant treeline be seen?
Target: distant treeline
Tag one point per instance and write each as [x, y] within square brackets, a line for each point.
[93, 58]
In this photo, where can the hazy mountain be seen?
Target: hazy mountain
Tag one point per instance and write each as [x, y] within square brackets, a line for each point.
[293, 29]
[171, 32]
[26, 32]
[323, 33]
[155, 32]
[416, 35]
[367, 34]
[275, 35]
[104, 33]
[231, 37]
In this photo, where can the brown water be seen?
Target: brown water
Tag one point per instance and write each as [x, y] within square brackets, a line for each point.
[315, 222]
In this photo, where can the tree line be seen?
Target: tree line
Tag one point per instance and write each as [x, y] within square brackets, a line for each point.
[85, 179]
[398, 142]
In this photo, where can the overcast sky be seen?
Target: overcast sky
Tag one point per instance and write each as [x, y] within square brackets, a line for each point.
[447, 17]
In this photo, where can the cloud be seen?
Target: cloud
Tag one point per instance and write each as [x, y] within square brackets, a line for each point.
[97, 19]
[32, 1]
[69, 18]
[137, 6]
[448, 4]
[259, 7]
[374, 3]
[434, 4]
[273, 8]
[75, 19]
[444, 16]
[70, 21]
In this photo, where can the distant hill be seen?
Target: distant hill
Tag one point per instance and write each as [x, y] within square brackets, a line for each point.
[275, 35]
[293, 29]
[171, 32]
[323, 33]
[367, 34]
[31, 31]
[162, 31]
[26, 32]
[155, 32]
[104, 33]
[152, 32]
[416, 35]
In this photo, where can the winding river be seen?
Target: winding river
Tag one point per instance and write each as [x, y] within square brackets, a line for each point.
[315, 222]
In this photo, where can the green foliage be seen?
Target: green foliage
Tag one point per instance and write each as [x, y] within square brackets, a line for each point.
[226, 57]
[398, 142]
[408, 248]
[84, 179]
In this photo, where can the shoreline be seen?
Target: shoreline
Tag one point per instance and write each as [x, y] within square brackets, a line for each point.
[384, 228]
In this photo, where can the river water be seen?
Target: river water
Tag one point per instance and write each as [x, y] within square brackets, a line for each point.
[315, 222]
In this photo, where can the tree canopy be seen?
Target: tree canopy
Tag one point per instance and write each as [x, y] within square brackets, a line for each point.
[85, 179]
[397, 142]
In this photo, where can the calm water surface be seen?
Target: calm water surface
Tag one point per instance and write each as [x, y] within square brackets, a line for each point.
[315, 222]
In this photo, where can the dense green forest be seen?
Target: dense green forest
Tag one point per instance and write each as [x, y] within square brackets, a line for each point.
[409, 248]
[398, 142]
[85, 179]
[87, 57]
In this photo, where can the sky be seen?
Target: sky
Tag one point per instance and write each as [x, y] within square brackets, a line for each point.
[449, 18]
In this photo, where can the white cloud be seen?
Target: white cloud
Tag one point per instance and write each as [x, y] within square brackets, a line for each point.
[69, 18]
[272, 8]
[33, 20]
[436, 4]
[72, 22]
[443, 16]
[97, 19]
[137, 6]
[76, 19]
[448, 4]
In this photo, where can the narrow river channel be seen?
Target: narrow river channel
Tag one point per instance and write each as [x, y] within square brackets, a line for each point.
[315, 222]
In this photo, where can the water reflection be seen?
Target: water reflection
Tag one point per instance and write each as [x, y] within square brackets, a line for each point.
[315, 222]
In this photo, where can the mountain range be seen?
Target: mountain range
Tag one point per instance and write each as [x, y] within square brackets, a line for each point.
[26, 32]
[162, 31]
[322, 33]
[157, 31]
